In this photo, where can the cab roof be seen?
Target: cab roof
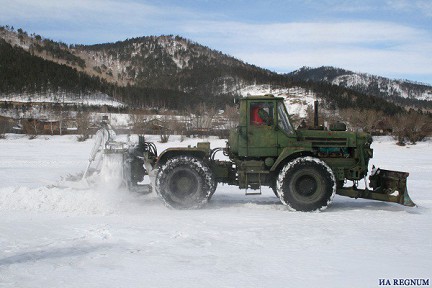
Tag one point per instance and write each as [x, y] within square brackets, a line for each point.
[262, 97]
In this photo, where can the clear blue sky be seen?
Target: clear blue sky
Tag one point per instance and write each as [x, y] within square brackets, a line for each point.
[391, 38]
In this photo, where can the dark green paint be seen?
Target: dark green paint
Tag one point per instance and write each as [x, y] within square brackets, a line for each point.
[257, 152]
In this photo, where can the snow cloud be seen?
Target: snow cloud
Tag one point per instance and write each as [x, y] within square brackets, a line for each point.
[389, 38]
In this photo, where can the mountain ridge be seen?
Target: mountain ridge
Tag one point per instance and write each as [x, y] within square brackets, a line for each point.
[366, 83]
[180, 68]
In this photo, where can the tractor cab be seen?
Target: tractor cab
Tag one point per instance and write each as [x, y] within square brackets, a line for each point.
[264, 122]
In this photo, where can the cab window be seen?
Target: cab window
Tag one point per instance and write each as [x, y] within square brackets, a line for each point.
[261, 113]
[283, 119]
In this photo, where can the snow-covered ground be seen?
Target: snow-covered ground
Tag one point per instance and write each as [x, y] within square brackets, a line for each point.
[55, 234]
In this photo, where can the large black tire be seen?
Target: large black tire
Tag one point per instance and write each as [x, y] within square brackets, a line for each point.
[213, 189]
[306, 184]
[185, 182]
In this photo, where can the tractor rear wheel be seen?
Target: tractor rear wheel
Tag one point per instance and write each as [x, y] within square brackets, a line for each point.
[306, 184]
[185, 182]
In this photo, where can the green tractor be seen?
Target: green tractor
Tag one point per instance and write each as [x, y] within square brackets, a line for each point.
[304, 167]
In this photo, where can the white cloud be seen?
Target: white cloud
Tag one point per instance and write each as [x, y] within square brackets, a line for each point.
[410, 7]
[381, 48]
[352, 6]
[111, 15]
[385, 63]
[73, 10]
[92, 21]
[361, 32]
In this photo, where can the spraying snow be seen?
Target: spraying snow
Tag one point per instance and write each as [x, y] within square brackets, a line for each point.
[111, 174]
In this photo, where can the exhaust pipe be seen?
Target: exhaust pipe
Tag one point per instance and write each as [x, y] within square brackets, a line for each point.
[316, 114]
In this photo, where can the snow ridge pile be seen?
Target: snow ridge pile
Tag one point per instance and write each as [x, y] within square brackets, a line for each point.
[94, 99]
[73, 197]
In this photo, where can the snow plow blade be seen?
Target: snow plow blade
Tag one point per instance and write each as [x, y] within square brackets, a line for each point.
[387, 185]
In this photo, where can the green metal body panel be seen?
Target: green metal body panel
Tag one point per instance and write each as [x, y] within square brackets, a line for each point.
[347, 153]
[201, 151]
[265, 141]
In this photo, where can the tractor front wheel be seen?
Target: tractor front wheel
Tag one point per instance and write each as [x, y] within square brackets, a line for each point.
[185, 182]
[306, 184]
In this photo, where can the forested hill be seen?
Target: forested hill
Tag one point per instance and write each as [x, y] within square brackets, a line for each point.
[173, 62]
[403, 92]
[20, 72]
[167, 71]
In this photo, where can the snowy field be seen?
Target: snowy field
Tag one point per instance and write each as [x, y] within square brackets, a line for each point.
[53, 235]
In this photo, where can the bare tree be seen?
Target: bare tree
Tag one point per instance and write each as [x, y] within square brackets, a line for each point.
[201, 118]
[138, 122]
[83, 122]
[164, 131]
[411, 127]
[31, 127]
[232, 115]
[59, 114]
[4, 127]
[365, 120]
[175, 125]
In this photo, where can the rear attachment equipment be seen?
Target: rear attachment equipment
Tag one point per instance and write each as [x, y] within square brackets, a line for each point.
[125, 158]
[386, 185]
